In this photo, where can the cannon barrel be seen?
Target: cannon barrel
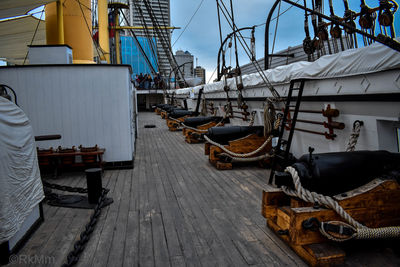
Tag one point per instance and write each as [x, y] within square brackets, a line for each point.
[338, 172]
[179, 113]
[223, 135]
[197, 121]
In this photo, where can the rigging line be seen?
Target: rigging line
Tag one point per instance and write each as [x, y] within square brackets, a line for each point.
[283, 12]
[276, 30]
[234, 28]
[212, 74]
[156, 25]
[140, 46]
[194, 14]
[160, 33]
[235, 37]
[219, 23]
[33, 37]
[147, 33]
[87, 25]
[255, 63]
[165, 24]
[170, 55]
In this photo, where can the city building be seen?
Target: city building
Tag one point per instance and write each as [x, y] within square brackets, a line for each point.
[185, 63]
[200, 73]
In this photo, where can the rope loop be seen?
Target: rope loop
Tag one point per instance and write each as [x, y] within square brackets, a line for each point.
[360, 231]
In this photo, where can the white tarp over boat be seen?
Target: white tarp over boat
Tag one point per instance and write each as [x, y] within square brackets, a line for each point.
[370, 59]
[20, 184]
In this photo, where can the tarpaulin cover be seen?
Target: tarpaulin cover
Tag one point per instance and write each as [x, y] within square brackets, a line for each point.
[370, 59]
[21, 188]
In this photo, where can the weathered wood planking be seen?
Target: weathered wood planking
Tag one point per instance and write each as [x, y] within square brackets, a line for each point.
[175, 209]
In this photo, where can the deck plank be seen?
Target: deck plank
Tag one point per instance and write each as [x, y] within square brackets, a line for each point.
[174, 209]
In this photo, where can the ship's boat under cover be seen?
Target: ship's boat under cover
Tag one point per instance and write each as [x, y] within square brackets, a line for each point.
[365, 60]
[21, 188]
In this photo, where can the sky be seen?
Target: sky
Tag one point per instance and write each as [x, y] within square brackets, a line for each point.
[201, 38]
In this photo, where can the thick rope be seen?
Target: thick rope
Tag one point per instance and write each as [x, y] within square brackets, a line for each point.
[351, 145]
[253, 117]
[362, 232]
[247, 159]
[314, 197]
[269, 115]
[239, 155]
[245, 155]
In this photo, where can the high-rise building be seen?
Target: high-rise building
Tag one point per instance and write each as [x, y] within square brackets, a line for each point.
[152, 14]
[201, 73]
[185, 63]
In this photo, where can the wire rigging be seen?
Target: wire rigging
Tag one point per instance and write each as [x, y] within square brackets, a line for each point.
[140, 47]
[34, 35]
[187, 24]
[276, 30]
[274, 93]
[89, 29]
[167, 48]
[150, 42]
[274, 18]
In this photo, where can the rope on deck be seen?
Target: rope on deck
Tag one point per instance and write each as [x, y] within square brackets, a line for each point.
[360, 231]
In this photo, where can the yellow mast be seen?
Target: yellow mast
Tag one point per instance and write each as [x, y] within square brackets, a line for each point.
[60, 22]
[71, 21]
[117, 38]
[104, 41]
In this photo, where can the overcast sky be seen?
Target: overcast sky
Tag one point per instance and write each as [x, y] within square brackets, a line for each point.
[201, 38]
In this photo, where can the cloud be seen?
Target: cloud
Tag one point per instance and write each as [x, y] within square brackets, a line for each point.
[201, 37]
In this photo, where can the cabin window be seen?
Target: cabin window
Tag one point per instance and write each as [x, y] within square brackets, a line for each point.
[388, 135]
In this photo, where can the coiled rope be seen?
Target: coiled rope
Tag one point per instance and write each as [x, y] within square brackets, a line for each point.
[360, 231]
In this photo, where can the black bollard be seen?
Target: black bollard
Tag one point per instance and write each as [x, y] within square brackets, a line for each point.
[94, 186]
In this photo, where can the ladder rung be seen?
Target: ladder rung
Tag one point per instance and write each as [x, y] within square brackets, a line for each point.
[297, 88]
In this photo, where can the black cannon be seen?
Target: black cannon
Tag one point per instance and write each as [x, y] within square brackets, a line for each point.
[338, 172]
[195, 127]
[197, 121]
[179, 113]
[222, 135]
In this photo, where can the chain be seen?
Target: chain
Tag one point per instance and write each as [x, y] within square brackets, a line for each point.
[73, 256]
[65, 188]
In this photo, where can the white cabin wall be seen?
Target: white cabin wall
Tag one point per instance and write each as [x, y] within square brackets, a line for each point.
[86, 104]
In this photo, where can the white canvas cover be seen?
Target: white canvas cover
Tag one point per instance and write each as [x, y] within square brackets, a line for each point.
[370, 59]
[21, 188]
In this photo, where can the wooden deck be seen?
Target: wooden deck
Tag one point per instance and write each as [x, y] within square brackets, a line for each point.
[174, 209]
